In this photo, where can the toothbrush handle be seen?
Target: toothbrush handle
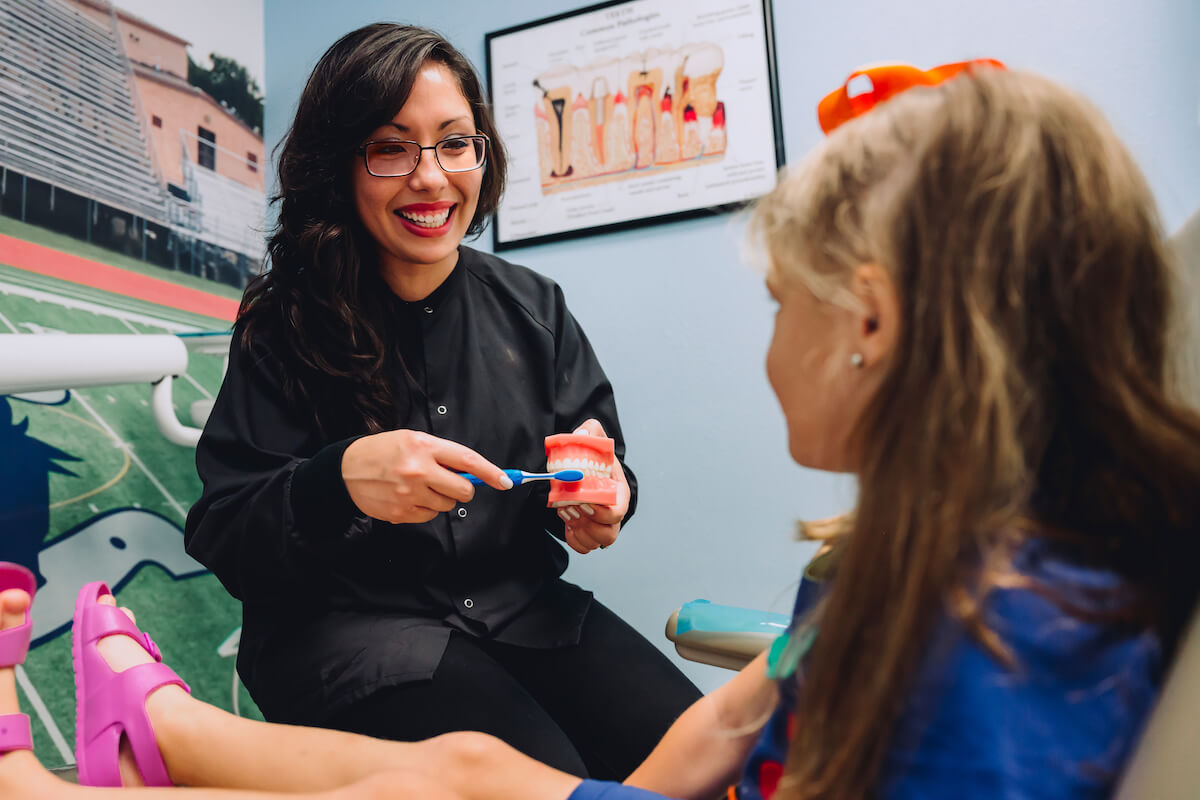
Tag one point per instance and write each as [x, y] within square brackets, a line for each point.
[515, 474]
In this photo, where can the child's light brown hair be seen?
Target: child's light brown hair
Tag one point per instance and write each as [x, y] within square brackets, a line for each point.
[1029, 381]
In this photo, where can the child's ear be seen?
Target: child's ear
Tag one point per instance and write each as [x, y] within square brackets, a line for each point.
[878, 318]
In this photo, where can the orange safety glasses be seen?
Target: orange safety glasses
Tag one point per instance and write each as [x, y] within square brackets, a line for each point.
[873, 85]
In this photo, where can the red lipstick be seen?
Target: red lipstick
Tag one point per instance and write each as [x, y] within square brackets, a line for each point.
[429, 211]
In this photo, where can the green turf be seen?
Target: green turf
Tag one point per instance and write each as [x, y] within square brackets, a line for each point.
[69, 244]
[106, 428]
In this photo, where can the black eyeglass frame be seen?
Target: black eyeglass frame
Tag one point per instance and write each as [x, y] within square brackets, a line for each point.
[362, 151]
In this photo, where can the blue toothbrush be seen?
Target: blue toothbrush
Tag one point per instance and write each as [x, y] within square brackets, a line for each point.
[520, 476]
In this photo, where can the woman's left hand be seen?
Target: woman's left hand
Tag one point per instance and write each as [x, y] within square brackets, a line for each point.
[591, 526]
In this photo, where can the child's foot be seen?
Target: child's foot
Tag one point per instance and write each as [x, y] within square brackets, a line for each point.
[20, 773]
[13, 605]
[119, 708]
[122, 653]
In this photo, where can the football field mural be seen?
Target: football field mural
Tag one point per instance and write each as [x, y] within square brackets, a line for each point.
[145, 226]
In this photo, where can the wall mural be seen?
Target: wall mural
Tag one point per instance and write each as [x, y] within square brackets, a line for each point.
[147, 225]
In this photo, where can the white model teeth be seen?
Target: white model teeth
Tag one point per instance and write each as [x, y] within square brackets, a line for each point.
[434, 220]
[590, 468]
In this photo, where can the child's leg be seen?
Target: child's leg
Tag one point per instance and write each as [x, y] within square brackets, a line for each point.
[205, 746]
[22, 777]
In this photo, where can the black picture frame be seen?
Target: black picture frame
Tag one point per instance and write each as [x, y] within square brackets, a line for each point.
[583, 165]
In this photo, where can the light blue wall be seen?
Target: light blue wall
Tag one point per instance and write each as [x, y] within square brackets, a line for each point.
[682, 328]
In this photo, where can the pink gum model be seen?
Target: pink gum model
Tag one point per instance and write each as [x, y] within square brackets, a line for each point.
[592, 454]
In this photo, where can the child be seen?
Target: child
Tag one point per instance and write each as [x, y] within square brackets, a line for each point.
[973, 300]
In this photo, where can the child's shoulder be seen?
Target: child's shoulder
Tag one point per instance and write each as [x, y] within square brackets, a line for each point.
[1066, 617]
[1059, 720]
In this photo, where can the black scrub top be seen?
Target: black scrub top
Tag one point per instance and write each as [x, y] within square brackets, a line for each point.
[337, 605]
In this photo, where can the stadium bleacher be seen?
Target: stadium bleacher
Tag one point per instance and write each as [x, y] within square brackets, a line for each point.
[68, 114]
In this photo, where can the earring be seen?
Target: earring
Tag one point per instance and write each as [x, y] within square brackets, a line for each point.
[857, 361]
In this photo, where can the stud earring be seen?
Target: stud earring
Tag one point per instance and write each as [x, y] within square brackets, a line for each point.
[857, 361]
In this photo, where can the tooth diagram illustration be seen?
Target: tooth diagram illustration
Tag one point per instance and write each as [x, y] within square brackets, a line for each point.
[616, 119]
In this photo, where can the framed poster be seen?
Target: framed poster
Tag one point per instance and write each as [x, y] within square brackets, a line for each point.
[633, 112]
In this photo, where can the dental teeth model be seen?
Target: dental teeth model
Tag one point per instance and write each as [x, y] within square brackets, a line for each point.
[592, 455]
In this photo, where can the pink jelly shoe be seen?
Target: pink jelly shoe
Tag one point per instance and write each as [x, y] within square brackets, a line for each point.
[14, 645]
[111, 704]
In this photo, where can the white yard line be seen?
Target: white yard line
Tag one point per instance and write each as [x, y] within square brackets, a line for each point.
[35, 700]
[132, 455]
[6, 321]
[199, 388]
[95, 308]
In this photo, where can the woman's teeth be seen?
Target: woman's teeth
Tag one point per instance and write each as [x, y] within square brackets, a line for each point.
[433, 219]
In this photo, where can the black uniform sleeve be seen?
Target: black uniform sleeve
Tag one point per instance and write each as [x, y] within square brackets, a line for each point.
[582, 391]
[272, 488]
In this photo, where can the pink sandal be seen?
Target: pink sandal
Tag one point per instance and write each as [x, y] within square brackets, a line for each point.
[109, 704]
[14, 645]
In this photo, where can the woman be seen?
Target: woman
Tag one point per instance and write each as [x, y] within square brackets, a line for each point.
[378, 357]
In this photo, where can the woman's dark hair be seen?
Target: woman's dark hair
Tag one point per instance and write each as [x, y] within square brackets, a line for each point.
[322, 304]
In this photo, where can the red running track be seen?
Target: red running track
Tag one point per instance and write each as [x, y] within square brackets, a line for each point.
[57, 264]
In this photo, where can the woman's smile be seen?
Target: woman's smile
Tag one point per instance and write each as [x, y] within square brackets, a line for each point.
[427, 219]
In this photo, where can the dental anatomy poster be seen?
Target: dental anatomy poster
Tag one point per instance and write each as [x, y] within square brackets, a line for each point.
[632, 113]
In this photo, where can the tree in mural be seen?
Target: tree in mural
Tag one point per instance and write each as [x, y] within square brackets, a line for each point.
[230, 84]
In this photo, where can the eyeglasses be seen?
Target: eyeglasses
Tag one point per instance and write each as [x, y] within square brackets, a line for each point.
[870, 86]
[392, 158]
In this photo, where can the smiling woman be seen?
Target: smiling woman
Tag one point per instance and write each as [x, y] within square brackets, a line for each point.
[416, 209]
[380, 594]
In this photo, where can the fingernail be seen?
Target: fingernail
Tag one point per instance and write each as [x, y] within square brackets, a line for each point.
[581, 429]
[587, 509]
[563, 516]
[506, 482]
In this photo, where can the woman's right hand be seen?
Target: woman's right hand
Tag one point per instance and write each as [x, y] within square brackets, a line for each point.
[409, 476]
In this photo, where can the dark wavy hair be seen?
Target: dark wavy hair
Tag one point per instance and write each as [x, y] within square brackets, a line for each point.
[320, 305]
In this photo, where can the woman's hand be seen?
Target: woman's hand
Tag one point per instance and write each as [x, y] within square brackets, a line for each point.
[591, 526]
[409, 476]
